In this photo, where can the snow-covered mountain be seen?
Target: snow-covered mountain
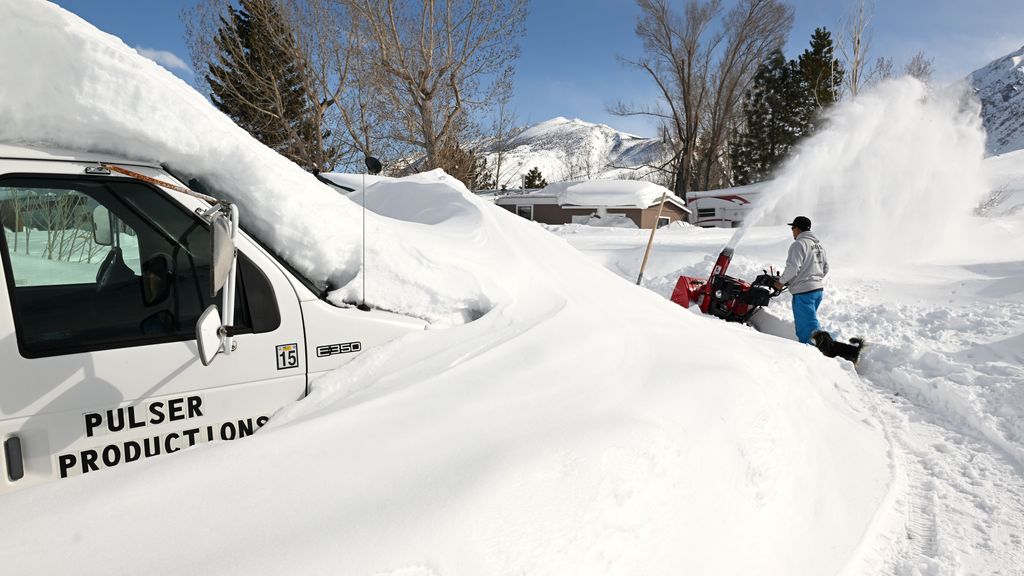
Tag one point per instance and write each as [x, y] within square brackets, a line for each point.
[1000, 87]
[566, 149]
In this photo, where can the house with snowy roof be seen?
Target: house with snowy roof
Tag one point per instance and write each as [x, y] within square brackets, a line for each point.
[596, 202]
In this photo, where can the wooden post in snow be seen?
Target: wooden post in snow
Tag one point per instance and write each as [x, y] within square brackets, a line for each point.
[650, 240]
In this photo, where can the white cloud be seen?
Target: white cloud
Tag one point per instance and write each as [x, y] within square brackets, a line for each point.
[164, 58]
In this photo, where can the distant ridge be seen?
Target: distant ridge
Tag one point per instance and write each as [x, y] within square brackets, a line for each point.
[565, 149]
[1000, 87]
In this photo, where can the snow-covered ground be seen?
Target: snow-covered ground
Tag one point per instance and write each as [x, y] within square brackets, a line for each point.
[557, 419]
[945, 370]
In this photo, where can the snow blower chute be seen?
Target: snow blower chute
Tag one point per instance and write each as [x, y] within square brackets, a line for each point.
[729, 298]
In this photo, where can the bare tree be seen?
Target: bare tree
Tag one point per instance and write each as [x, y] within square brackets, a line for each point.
[504, 131]
[920, 67]
[439, 61]
[881, 70]
[678, 55]
[578, 161]
[341, 76]
[701, 75]
[854, 45]
[753, 29]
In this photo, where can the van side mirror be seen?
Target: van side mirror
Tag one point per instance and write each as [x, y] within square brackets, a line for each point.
[223, 271]
[223, 252]
[102, 233]
[208, 335]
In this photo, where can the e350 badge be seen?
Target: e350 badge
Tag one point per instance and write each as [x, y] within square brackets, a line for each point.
[287, 356]
[344, 348]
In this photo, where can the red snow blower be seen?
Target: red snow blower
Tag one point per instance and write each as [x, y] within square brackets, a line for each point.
[729, 298]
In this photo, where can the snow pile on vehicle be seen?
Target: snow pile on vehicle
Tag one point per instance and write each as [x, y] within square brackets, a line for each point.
[355, 182]
[579, 425]
[619, 193]
[71, 93]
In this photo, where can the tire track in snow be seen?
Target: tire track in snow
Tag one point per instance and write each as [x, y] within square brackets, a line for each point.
[959, 509]
[951, 404]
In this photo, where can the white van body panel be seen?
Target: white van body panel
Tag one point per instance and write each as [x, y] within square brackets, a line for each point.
[87, 410]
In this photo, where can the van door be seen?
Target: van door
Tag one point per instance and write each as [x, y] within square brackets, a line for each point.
[105, 278]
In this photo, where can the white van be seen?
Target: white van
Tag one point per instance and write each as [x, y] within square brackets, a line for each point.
[107, 274]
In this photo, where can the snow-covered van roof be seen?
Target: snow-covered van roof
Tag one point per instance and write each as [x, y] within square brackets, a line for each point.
[26, 152]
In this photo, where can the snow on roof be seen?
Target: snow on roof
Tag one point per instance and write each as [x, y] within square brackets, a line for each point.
[747, 191]
[610, 193]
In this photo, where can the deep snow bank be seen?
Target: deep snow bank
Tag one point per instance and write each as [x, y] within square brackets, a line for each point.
[581, 425]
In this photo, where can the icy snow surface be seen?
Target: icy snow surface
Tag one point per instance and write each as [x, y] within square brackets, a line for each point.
[578, 425]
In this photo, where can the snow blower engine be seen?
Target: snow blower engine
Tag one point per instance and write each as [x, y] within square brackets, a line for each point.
[729, 298]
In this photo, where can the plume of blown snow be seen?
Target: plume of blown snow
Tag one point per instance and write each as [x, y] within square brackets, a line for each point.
[894, 176]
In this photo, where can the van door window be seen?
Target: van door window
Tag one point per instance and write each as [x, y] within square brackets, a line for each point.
[103, 263]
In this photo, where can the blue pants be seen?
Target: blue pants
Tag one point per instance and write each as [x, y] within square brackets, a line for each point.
[805, 313]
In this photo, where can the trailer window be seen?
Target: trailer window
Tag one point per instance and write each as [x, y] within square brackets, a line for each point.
[525, 211]
[103, 263]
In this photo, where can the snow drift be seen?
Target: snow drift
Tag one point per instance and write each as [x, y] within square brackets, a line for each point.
[578, 424]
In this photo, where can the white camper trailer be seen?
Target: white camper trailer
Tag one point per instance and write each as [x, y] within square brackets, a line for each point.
[726, 208]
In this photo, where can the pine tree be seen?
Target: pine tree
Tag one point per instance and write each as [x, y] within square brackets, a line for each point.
[823, 74]
[773, 113]
[785, 103]
[534, 179]
[255, 78]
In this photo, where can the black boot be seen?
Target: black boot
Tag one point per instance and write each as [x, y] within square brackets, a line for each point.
[829, 347]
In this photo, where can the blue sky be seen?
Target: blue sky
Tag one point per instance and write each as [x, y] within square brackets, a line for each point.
[568, 65]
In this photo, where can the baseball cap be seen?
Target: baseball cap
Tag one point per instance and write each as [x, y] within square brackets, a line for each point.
[801, 222]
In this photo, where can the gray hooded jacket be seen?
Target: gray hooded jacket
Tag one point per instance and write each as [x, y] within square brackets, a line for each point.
[806, 265]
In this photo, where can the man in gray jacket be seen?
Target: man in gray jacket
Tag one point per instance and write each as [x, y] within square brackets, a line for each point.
[806, 267]
[805, 271]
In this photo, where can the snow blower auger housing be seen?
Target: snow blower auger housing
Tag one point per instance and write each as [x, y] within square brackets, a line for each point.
[726, 297]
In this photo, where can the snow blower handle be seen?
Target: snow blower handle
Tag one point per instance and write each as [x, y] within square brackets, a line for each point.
[770, 278]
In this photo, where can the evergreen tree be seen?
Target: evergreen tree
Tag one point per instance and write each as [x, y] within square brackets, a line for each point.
[774, 115]
[255, 78]
[534, 179]
[784, 104]
[822, 72]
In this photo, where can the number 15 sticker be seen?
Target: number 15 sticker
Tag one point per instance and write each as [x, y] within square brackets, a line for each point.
[287, 356]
